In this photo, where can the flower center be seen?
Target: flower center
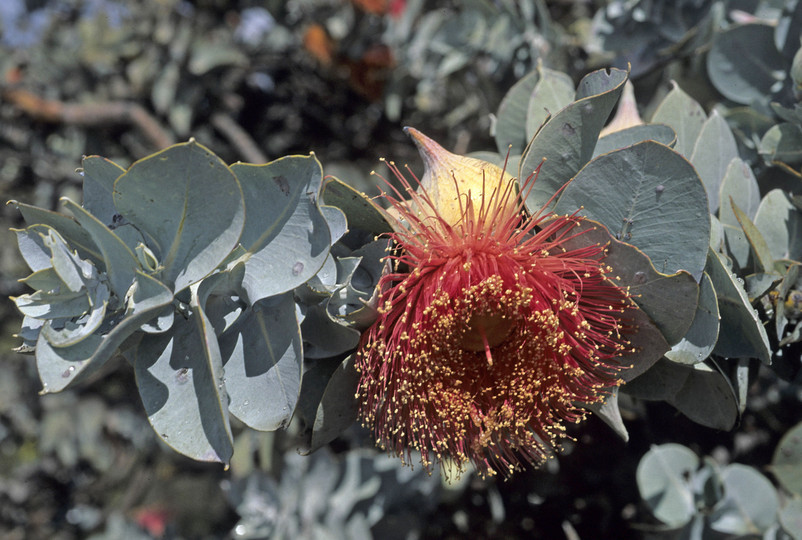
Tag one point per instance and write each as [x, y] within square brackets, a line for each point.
[486, 330]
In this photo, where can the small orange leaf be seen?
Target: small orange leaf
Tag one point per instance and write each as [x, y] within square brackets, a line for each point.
[318, 43]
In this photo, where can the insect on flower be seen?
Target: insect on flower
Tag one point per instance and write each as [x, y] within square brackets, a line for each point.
[491, 334]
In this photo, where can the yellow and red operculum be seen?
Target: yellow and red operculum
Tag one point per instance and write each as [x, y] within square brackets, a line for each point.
[490, 334]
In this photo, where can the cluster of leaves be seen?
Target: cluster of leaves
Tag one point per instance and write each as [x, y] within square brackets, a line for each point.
[203, 276]
[694, 497]
[678, 189]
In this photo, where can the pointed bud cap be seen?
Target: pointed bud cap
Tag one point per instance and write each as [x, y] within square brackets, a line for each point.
[451, 180]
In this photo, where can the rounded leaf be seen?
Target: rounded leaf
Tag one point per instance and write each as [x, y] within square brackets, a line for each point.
[787, 462]
[699, 341]
[664, 480]
[744, 63]
[649, 196]
[189, 204]
[750, 502]
[684, 115]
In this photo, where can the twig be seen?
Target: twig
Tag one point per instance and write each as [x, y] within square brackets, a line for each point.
[90, 114]
[238, 137]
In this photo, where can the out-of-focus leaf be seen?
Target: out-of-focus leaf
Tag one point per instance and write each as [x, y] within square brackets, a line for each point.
[742, 334]
[207, 55]
[263, 359]
[699, 341]
[59, 367]
[567, 140]
[554, 91]
[285, 232]
[649, 196]
[782, 143]
[682, 113]
[787, 461]
[663, 478]
[750, 503]
[180, 379]
[789, 29]
[712, 154]
[791, 517]
[739, 184]
[780, 223]
[189, 204]
[744, 64]
[756, 241]
[512, 114]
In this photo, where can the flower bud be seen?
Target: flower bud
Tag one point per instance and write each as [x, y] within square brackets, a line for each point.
[461, 188]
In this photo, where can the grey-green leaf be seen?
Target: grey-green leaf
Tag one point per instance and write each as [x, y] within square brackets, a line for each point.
[60, 367]
[180, 379]
[649, 196]
[99, 175]
[190, 205]
[338, 408]
[744, 63]
[554, 91]
[707, 397]
[684, 114]
[263, 358]
[780, 223]
[285, 233]
[567, 140]
[712, 154]
[512, 113]
[787, 461]
[633, 135]
[742, 334]
[699, 341]
[739, 184]
[664, 480]
[750, 503]
[68, 228]
[119, 261]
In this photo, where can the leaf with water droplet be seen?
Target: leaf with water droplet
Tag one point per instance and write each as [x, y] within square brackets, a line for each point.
[91, 353]
[191, 418]
[286, 235]
[617, 189]
[263, 357]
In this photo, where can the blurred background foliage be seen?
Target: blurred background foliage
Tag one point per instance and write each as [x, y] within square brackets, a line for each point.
[258, 80]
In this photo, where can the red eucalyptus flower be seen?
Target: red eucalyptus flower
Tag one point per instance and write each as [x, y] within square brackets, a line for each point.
[491, 336]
